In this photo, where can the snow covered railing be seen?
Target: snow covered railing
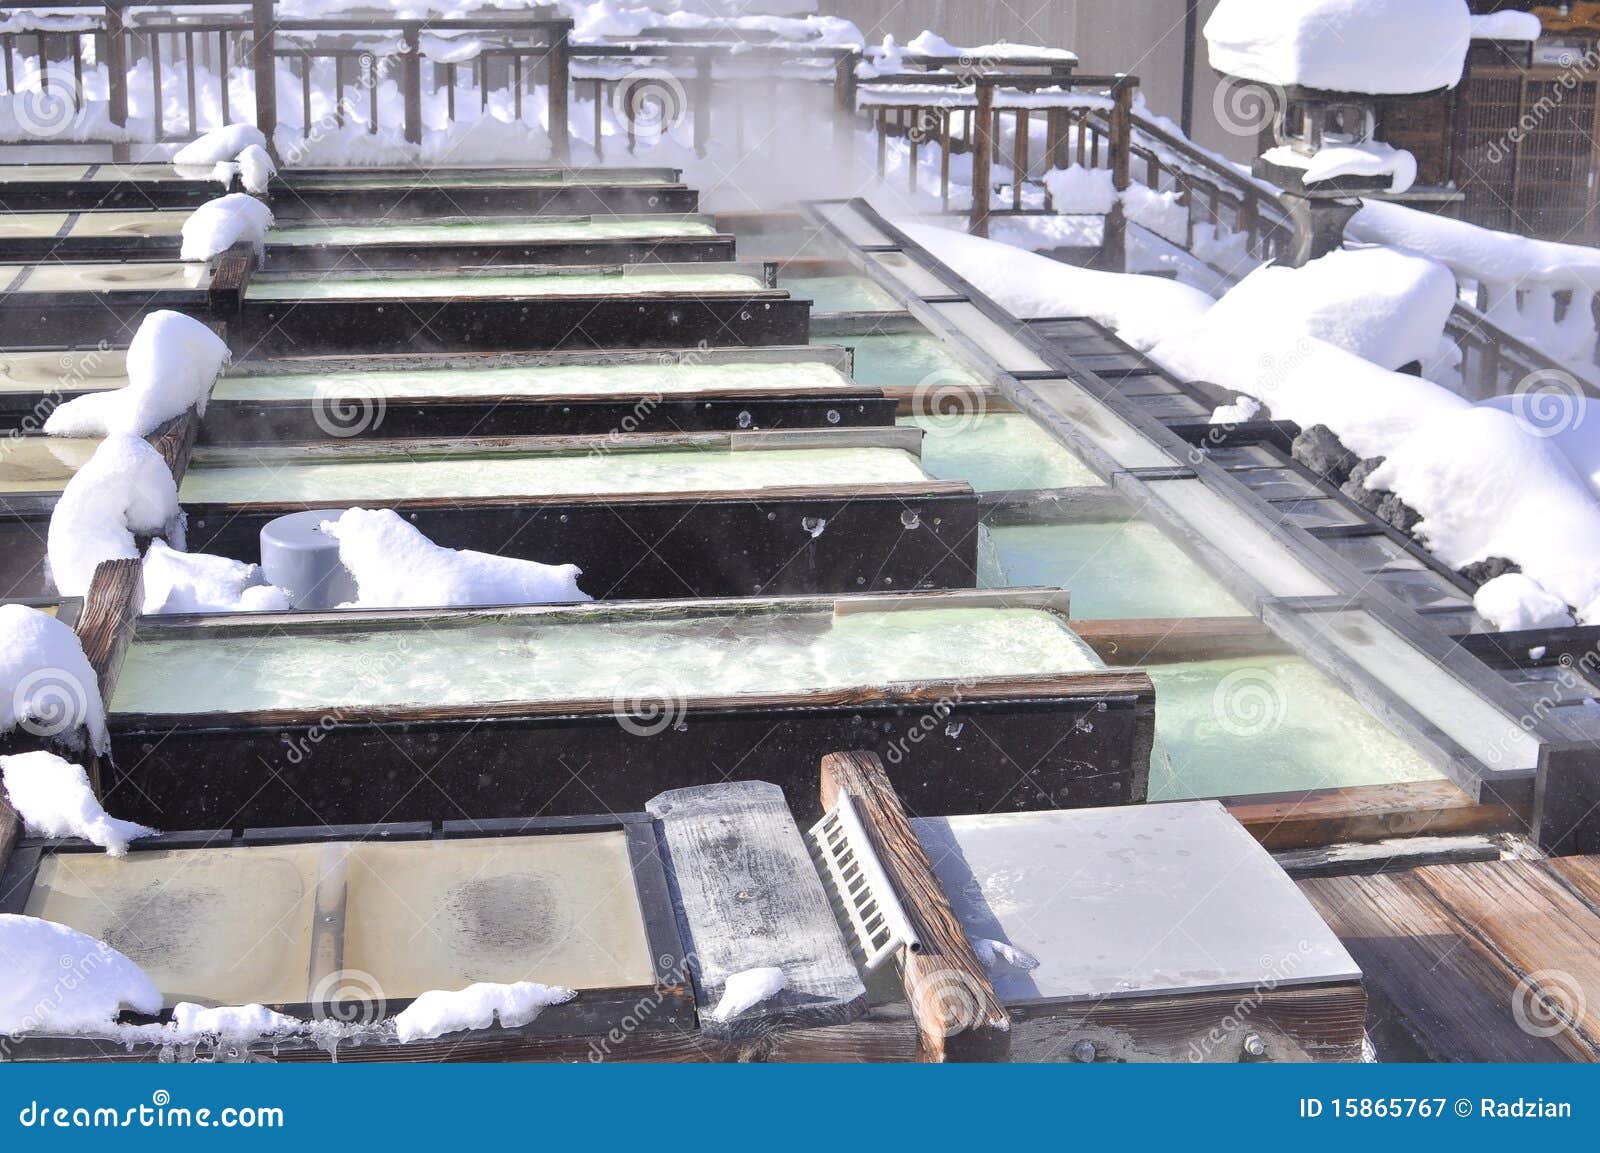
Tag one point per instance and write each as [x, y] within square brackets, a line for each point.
[924, 106]
[121, 69]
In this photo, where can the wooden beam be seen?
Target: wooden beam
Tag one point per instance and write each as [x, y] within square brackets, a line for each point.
[1154, 641]
[558, 63]
[105, 626]
[982, 151]
[959, 1014]
[1369, 813]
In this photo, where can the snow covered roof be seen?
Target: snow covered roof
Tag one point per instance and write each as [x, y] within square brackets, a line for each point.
[1378, 47]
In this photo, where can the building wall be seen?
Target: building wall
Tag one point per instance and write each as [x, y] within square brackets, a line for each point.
[1144, 37]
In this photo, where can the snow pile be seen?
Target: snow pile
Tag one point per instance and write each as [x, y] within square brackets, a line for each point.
[192, 1022]
[182, 582]
[172, 362]
[1477, 253]
[1309, 381]
[1080, 190]
[438, 1012]
[1242, 409]
[125, 488]
[396, 566]
[1514, 601]
[219, 145]
[256, 169]
[931, 44]
[1486, 486]
[46, 683]
[1384, 306]
[1568, 420]
[1520, 276]
[59, 980]
[1142, 309]
[1507, 26]
[53, 798]
[1369, 158]
[1382, 47]
[217, 225]
[747, 989]
[994, 953]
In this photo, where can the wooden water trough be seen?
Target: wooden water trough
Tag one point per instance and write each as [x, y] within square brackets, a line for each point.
[652, 515]
[646, 914]
[296, 314]
[382, 244]
[517, 394]
[323, 194]
[978, 701]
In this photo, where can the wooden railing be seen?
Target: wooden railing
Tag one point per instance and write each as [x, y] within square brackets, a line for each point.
[204, 40]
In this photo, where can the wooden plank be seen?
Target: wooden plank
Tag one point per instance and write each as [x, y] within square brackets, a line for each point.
[1428, 975]
[1540, 928]
[1580, 874]
[747, 897]
[1154, 640]
[959, 1014]
[109, 610]
[1313, 1023]
[1368, 813]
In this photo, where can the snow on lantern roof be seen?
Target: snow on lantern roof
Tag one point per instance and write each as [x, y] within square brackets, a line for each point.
[1373, 47]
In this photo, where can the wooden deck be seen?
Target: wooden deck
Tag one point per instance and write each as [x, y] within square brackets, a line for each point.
[1489, 961]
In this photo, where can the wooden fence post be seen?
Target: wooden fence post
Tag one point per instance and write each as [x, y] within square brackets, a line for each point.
[411, 81]
[702, 102]
[262, 59]
[1114, 243]
[559, 62]
[982, 156]
[116, 64]
[844, 104]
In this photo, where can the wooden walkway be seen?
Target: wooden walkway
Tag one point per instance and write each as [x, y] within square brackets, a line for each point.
[1490, 961]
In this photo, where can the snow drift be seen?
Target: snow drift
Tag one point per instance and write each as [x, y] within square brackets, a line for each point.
[53, 798]
[59, 980]
[126, 488]
[172, 362]
[183, 582]
[1142, 309]
[438, 1012]
[217, 225]
[46, 683]
[396, 566]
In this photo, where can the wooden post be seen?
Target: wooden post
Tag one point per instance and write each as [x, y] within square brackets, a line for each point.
[559, 63]
[116, 64]
[702, 103]
[1019, 160]
[410, 81]
[844, 105]
[982, 151]
[262, 44]
[959, 1015]
[1114, 245]
[105, 627]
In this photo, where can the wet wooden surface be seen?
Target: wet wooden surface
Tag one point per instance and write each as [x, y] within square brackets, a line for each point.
[1484, 961]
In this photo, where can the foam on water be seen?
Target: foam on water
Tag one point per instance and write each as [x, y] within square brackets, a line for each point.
[558, 380]
[1112, 569]
[1266, 725]
[321, 287]
[664, 658]
[549, 474]
[487, 231]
